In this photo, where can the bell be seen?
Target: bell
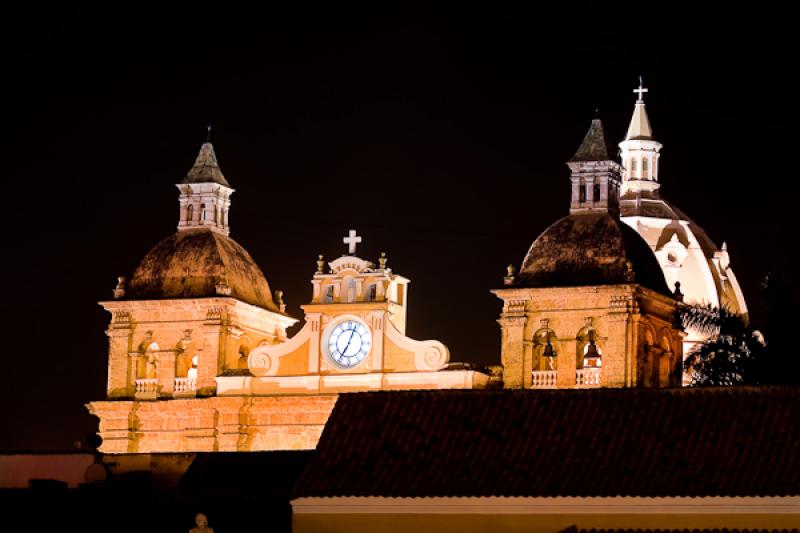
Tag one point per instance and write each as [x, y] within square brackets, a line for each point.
[592, 357]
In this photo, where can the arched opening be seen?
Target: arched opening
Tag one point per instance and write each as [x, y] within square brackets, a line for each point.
[634, 168]
[202, 213]
[545, 353]
[588, 354]
[189, 213]
[644, 169]
[372, 292]
[544, 366]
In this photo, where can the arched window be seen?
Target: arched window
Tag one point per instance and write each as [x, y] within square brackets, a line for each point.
[329, 294]
[582, 194]
[596, 191]
[633, 168]
[644, 168]
[202, 213]
[189, 213]
[372, 293]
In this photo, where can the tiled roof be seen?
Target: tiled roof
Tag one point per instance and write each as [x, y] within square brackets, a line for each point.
[742, 441]
[205, 168]
[594, 146]
[723, 530]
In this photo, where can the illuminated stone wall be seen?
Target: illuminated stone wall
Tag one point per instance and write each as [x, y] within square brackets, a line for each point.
[632, 331]
[226, 424]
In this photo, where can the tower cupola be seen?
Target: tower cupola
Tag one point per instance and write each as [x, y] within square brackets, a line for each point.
[640, 150]
[595, 176]
[205, 195]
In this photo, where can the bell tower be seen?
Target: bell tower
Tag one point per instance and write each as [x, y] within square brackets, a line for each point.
[595, 177]
[205, 195]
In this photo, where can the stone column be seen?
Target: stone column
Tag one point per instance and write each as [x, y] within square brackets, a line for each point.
[512, 352]
[120, 383]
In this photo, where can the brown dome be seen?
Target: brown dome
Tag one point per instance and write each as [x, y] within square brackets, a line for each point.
[196, 264]
[590, 249]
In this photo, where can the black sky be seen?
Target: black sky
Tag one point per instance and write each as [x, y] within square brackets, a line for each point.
[440, 137]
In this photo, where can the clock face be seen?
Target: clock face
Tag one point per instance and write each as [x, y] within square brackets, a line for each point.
[349, 343]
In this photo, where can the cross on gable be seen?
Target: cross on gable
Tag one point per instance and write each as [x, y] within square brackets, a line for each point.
[641, 90]
[352, 241]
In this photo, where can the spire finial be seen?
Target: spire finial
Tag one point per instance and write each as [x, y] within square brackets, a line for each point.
[641, 90]
[208, 132]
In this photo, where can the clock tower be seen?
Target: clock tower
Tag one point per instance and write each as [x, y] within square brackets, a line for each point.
[354, 339]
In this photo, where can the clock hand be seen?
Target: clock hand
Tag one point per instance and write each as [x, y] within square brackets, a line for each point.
[352, 332]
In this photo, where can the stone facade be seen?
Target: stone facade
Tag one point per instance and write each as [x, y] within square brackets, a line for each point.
[589, 307]
[198, 357]
[633, 332]
[212, 424]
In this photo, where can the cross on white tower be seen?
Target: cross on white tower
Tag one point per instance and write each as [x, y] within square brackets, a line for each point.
[641, 90]
[351, 242]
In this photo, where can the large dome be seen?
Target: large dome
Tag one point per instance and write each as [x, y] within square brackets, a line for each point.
[199, 263]
[590, 249]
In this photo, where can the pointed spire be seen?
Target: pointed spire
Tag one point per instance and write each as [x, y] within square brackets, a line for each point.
[593, 147]
[639, 128]
[206, 169]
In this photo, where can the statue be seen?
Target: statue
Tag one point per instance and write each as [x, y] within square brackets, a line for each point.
[202, 524]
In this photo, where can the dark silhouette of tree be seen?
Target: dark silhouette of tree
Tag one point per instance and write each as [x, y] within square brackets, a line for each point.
[733, 354]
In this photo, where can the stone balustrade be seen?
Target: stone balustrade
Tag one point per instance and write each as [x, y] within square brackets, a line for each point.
[588, 377]
[146, 389]
[544, 379]
[185, 385]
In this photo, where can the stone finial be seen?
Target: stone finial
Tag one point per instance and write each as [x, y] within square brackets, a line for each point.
[382, 261]
[510, 275]
[320, 264]
[677, 293]
[279, 301]
[119, 290]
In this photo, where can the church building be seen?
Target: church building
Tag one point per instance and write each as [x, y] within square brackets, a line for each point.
[199, 358]
[589, 306]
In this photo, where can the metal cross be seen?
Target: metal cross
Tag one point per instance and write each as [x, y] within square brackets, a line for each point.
[641, 90]
[351, 242]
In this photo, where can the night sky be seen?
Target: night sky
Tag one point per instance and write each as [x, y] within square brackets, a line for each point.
[440, 137]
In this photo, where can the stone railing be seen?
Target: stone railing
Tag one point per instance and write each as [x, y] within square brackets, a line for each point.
[146, 389]
[185, 385]
[588, 377]
[544, 379]
[146, 386]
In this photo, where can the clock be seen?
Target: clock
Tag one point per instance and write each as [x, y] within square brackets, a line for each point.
[348, 343]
